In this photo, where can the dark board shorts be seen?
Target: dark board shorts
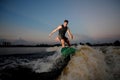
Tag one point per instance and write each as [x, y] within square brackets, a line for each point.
[63, 37]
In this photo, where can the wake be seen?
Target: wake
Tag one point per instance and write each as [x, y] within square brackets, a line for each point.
[91, 64]
[88, 63]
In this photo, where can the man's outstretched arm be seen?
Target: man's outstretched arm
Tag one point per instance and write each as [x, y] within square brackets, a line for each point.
[59, 27]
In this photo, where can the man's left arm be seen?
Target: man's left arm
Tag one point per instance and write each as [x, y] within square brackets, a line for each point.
[69, 33]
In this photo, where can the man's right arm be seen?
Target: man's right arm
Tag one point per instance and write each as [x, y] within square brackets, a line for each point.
[59, 27]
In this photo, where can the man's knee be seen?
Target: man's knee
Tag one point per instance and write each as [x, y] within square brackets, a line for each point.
[57, 39]
[62, 41]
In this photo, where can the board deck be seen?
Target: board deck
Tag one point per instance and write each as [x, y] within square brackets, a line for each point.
[66, 51]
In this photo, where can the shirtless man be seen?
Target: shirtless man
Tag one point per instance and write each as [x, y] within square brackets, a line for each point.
[62, 31]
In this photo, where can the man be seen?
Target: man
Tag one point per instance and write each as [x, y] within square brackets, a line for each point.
[62, 31]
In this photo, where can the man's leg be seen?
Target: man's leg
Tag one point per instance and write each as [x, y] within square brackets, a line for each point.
[68, 42]
[63, 42]
[57, 39]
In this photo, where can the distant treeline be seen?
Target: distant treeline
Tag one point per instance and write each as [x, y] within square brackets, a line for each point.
[8, 44]
[38, 45]
[116, 43]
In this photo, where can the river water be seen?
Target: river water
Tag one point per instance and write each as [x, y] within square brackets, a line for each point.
[36, 63]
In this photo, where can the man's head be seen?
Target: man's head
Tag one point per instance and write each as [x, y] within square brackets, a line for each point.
[66, 22]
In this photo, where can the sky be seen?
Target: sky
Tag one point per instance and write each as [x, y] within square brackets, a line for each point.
[33, 20]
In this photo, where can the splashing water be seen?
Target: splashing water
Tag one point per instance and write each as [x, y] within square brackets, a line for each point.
[93, 64]
[44, 64]
[88, 63]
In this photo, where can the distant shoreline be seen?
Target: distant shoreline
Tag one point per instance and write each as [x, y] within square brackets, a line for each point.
[8, 44]
[49, 46]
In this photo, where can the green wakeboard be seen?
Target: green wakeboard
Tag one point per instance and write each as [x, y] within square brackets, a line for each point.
[66, 51]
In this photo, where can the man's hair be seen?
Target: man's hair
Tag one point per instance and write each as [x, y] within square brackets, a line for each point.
[66, 21]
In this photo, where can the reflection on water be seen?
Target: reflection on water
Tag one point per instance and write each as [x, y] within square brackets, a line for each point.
[20, 50]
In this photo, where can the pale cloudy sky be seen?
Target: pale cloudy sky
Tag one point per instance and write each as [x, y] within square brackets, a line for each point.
[33, 20]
